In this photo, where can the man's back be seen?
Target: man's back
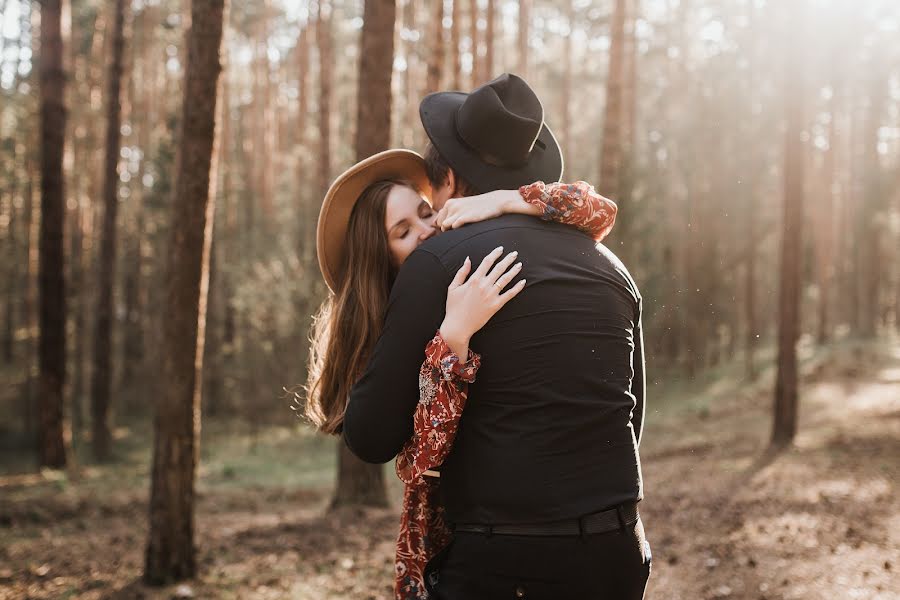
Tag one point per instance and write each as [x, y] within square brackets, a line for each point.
[547, 431]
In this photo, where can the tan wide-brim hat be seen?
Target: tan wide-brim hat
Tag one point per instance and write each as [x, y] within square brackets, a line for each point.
[334, 217]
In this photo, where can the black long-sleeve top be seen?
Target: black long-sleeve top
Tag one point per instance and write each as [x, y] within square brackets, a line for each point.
[553, 422]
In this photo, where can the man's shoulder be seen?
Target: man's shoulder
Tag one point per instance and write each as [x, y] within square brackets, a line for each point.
[439, 245]
[618, 266]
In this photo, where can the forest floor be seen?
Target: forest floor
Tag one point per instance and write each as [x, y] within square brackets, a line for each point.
[726, 517]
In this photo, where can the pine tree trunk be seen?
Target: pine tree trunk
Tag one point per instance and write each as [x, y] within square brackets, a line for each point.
[360, 483]
[455, 58]
[102, 372]
[487, 73]
[825, 231]
[434, 76]
[323, 38]
[306, 209]
[566, 137]
[611, 151]
[12, 267]
[523, 35]
[474, 45]
[170, 553]
[54, 436]
[785, 406]
[869, 216]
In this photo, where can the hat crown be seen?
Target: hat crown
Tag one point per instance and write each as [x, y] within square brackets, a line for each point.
[501, 121]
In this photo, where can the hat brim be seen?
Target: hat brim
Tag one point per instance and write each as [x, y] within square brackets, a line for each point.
[438, 114]
[334, 216]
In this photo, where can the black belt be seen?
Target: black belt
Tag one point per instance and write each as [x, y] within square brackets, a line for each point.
[619, 517]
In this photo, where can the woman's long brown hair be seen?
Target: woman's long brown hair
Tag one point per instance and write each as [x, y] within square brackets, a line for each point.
[350, 320]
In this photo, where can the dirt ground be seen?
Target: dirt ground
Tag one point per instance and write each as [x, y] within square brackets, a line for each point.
[725, 517]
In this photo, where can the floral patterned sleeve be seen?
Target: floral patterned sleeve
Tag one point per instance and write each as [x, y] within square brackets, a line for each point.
[443, 386]
[576, 204]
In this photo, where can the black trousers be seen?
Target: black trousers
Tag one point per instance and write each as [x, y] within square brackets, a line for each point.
[606, 566]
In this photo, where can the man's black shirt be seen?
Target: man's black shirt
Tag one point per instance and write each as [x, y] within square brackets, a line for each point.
[553, 421]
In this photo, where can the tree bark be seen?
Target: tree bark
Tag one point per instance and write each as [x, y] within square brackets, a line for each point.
[870, 213]
[785, 406]
[102, 373]
[436, 55]
[523, 35]
[474, 45]
[488, 73]
[360, 483]
[611, 151]
[54, 434]
[455, 58]
[566, 137]
[170, 553]
[323, 38]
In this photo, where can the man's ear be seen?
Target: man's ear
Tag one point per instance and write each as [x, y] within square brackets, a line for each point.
[451, 182]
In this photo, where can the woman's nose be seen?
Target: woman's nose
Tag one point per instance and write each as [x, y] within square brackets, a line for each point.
[428, 230]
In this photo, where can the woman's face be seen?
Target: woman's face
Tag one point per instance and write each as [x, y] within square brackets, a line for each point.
[408, 220]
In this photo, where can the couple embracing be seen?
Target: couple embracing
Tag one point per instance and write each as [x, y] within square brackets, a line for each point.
[478, 331]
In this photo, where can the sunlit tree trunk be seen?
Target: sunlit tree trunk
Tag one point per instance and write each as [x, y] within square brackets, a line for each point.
[523, 36]
[170, 553]
[490, 19]
[475, 45]
[455, 58]
[611, 151]
[54, 435]
[870, 213]
[751, 333]
[785, 407]
[102, 372]
[359, 482]
[566, 132]
[825, 229]
[411, 85]
[434, 76]
[323, 39]
[306, 209]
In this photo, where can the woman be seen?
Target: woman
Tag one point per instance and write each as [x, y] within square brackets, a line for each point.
[373, 217]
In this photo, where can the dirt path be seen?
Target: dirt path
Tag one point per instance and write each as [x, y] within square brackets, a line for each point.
[725, 519]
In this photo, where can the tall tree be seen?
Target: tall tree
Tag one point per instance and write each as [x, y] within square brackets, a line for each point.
[566, 137]
[870, 217]
[323, 39]
[523, 36]
[487, 73]
[170, 553]
[434, 76]
[785, 406]
[455, 57]
[358, 482]
[102, 373]
[611, 151]
[54, 434]
[474, 45]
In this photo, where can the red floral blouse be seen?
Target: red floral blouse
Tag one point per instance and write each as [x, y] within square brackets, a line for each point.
[443, 387]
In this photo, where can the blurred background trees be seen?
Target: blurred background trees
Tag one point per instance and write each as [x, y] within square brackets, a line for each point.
[676, 109]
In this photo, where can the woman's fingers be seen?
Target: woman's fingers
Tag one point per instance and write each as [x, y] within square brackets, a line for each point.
[461, 274]
[504, 279]
[501, 267]
[512, 292]
[488, 261]
[440, 218]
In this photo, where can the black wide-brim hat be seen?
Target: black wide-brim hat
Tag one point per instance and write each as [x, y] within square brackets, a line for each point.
[494, 137]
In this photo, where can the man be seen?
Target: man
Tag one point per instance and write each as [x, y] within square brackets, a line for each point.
[544, 477]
